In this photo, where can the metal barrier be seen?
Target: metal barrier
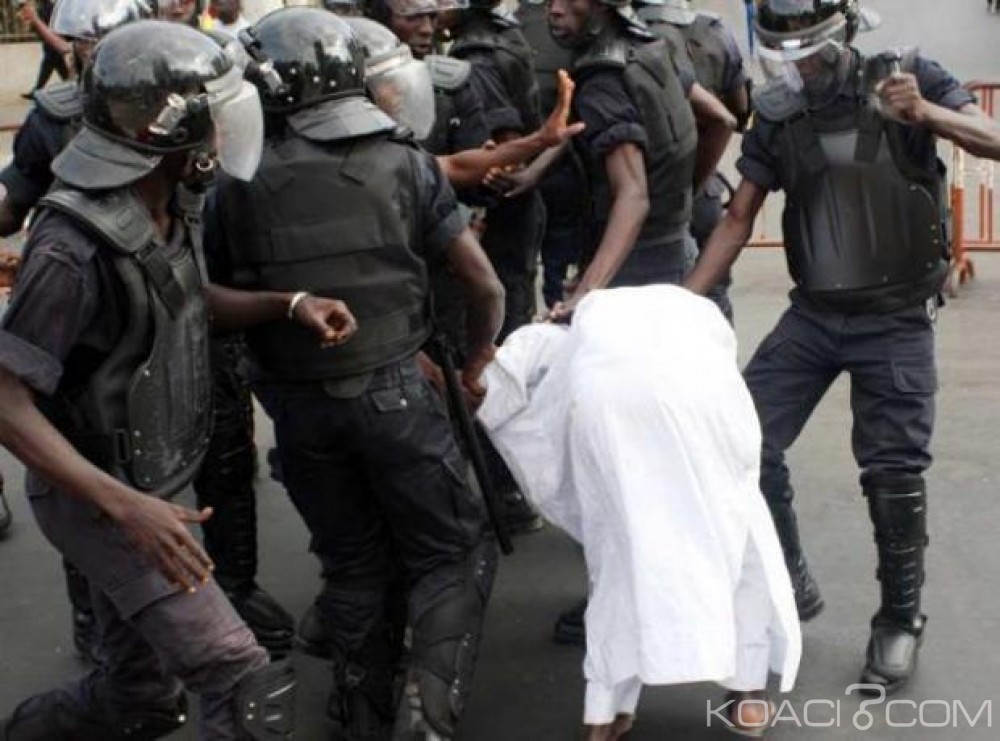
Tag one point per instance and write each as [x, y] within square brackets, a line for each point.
[973, 229]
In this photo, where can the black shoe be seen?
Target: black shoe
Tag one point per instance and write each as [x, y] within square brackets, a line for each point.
[808, 600]
[311, 637]
[520, 516]
[273, 627]
[570, 628]
[5, 516]
[891, 657]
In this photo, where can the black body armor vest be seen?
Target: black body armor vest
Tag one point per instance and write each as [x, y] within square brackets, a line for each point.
[448, 75]
[145, 414]
[500, 35]
[336, 219]
[672, 136]
[865, 226]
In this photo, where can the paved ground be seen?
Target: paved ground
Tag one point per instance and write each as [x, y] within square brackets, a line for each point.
[527, 688]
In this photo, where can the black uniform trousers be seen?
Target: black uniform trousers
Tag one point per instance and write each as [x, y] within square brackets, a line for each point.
[379, 481]
[890, 360]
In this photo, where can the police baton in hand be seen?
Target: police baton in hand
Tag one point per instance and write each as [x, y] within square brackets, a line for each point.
[462, 420]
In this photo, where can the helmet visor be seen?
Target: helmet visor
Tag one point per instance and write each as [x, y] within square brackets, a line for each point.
[401, 86]
[818, 70]
[408, 8]
[239, 123]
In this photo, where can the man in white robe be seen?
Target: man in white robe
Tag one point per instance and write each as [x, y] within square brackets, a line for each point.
[632, 430]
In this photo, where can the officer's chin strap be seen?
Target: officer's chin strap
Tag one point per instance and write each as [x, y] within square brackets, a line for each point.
[266, 702]
[199, 171]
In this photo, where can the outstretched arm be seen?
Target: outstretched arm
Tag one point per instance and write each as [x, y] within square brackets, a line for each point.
[468, 168]
[728, 239]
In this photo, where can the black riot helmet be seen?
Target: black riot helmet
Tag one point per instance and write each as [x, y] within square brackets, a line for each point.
[805, 44]
[155, 88]
[400, 85]
[91, 20]
[804, 22]
[313, 73]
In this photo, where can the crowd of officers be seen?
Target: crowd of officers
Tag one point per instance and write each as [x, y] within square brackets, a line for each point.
[328, 193]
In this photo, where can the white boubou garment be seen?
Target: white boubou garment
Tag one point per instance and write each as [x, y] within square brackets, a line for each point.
[634, 432]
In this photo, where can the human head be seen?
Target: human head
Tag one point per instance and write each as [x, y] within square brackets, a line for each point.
[413, 22]
[156, 90]
[805, 43]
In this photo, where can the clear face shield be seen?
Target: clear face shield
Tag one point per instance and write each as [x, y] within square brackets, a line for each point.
[239, 123]
[816, 66]
[401, 86]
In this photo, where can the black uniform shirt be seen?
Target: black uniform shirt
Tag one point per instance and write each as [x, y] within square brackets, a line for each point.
[734, 74]
[472, 129]
[761, 153]
[38, 141]
[501, 112]
[602, 102]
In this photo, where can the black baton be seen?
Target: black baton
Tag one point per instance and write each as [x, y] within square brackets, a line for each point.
[463, 421]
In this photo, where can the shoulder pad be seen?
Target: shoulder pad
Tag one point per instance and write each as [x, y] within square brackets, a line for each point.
[712, 18]
[612, 53]
[502, 19]
[114, 215]
[447, 73]
[473, 41]
[777, 102]
[63, 102]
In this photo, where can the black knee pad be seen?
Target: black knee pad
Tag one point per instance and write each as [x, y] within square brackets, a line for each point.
[446, 633]
[265, 702]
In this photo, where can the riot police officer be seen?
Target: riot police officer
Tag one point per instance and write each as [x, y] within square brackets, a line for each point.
[564, 188]
[46, 130]
[460, 117]
[851, 140]
[345, 204]
[701, 42]
[106, 390]
[226, 483]
[643, 155]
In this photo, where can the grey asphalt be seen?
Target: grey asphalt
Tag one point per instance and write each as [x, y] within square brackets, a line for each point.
[528, 688]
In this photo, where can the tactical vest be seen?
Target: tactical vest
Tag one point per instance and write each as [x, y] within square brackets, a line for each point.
[672, 137]
[549, 57]
[145, 414]
[864, 224]
[500, 36]
[448, 75]
[338, 220]
[698, 46]
[63, 103]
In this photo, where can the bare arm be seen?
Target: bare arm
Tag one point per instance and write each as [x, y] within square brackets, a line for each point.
[626, 171]
[969, 128]
[470, 167]
[728, 239]
[30, 16]
[156, 527]
[484, 299]
[715, 128]
[233, 309]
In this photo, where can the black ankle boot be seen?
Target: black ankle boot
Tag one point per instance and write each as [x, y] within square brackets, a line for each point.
[899, 513]
[808, 600]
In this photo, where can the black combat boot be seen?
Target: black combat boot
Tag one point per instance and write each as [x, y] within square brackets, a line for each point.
[899, 514]
[61, 714]
[5, 517]
[808, 600]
